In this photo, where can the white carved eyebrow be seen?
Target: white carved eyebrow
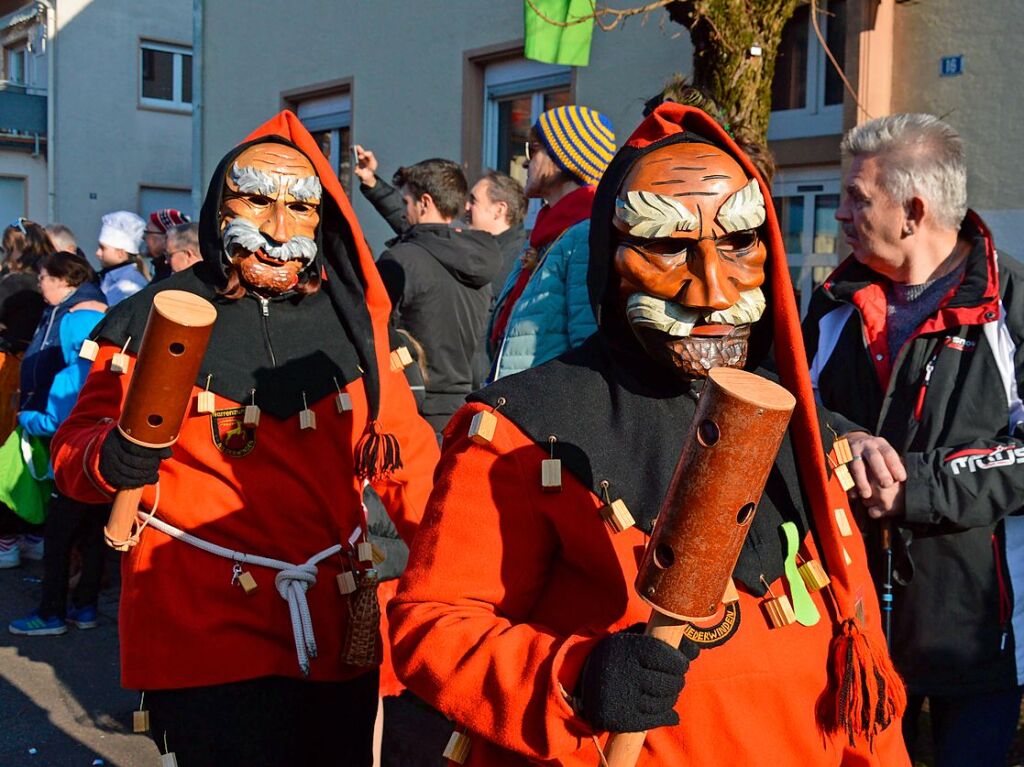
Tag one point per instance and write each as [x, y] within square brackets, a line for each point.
[743, 210]
[307, 189]
[648, 214]
[251, 180]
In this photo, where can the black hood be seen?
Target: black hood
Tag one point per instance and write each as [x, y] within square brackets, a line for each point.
[472, 257]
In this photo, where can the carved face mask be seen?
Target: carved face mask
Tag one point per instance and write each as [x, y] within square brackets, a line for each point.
[269, 215]
[689, 256]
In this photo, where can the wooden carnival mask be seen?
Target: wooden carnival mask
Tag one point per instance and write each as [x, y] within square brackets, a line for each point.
[269, 215]
[689, 256]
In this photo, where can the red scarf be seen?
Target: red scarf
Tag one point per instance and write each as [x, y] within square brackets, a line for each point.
[551, 222]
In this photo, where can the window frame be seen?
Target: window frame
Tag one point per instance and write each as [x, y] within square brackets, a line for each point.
[178, 51]
[815, 118]
[343, 88]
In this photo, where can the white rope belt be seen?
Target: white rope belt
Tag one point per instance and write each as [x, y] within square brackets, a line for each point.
[292, 581]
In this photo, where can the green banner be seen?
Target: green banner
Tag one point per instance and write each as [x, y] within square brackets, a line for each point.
[553, 43]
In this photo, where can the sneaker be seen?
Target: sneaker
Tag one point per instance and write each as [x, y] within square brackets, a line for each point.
[10, 558]
[33, 625]
[82, 617]
[31, 547]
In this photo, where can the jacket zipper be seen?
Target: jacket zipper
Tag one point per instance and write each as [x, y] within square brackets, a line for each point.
[928, 370]
[265, 311]
[1005, 603]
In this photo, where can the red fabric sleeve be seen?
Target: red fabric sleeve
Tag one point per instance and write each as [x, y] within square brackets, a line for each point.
[460, 630]
[75, 447]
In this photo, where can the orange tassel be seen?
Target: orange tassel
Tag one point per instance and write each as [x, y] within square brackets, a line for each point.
[867, 691]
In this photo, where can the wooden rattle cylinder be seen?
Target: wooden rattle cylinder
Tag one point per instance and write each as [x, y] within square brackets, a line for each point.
[172, 349]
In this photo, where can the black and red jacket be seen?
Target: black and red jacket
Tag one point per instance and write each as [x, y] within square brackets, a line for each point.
[948, 401]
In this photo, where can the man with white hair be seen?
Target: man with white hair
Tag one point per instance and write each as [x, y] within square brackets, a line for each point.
[918, 337]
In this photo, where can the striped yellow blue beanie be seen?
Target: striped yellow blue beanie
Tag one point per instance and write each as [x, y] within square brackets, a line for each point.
[581, 141]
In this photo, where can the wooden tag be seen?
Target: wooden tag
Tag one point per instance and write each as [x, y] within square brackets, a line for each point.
[89, 350]
[119, 363]
[842, 450]
[457, 749]
[846, 557]
[843, 523]
[168, 760]
[842, 472]
[551, 475]
[481, 428]
[205, 402]
[364, 550]
[247, 582]
[379, 556]
[731, 594]
[400, 359]
[779, 611]
[307, 419]
[346, 583]
[616, 515]
[813, 574]
[140, 721]
[251, 417]
[343, 402]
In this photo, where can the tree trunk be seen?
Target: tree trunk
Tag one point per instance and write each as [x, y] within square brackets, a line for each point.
[723, 33]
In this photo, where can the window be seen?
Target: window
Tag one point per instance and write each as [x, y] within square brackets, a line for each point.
[158, 197]
[12, 198]
[515, 94]
[329, 119]
[166, 76]
[806, 202]
[807, 92]
[16, 63]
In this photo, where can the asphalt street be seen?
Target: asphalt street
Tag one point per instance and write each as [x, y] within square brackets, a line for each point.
[61, 703]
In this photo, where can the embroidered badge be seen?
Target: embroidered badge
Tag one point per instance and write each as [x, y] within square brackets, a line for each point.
[230, 434]
[718, 632]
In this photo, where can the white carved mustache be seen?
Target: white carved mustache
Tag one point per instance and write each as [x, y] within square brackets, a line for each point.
[678, 320]
[247, 235]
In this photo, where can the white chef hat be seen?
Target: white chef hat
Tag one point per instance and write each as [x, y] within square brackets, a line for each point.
[123, 229]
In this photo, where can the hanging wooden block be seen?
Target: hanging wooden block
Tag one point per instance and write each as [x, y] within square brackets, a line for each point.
[813, 574]
[89, 350]
[841, 447]
[206, 402]
[379, 555]
[168, 760]
[779, 611]
[616, 515]
[140, 721]
[843, 523]
[481, 428]
[346, 583]
[457, 749]
[364, 551]
[731, 594]
[551, 475]
[846, 556]
[247, 582]
[400, 359]
[251, 417]
[343, 402]
[307, 419]
[845, 478]
[119, 363]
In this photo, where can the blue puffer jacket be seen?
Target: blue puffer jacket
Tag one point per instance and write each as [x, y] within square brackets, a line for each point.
[44, 358]
[554, 313]
[75, 327]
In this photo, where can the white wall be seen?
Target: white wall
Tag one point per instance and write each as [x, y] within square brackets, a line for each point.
[406, 62]
[105, 145]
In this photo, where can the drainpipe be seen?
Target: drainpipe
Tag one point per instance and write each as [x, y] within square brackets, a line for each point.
[197, 108]
[51, 96]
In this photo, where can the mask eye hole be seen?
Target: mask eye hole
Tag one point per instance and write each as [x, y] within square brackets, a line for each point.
[737, 242]
[664, 247]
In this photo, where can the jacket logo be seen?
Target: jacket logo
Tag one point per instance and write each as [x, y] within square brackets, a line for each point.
[980, 459]
[712, 636]
[230, 435]
[960, 344]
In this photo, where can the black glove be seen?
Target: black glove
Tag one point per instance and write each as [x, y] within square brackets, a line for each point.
[630, 682]
[125, 465]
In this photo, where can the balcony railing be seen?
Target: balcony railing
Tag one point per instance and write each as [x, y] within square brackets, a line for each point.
[21, 113]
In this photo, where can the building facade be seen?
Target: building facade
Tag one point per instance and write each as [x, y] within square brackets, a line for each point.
[95, 110]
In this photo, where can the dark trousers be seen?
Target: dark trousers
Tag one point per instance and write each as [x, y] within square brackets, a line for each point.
[70, 521]
[967, 730]
[267, 722]
[12, 524]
